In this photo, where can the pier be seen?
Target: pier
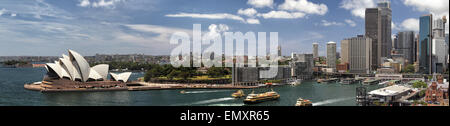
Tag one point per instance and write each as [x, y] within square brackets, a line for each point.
[371, 82]
[331, 80]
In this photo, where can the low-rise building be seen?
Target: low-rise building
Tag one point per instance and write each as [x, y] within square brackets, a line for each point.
[342, 68]
[389, 94]
[437, 91]
[386, 70]
[302, 66]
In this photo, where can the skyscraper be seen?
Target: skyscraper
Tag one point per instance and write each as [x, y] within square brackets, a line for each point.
[439, 47]
[439, 28]
[405, 46]
[425, 44]
[359, 53]
[331, 55]
[315, 50]
[446, 38]
[416, 48]
[378, 28]
[386, 28]
[373, 31]
[344, 51]
[439, 54]
[279, 50]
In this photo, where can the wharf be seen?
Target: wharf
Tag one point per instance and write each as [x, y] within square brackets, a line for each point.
[371, 82]
[156, 86]
[331, 80]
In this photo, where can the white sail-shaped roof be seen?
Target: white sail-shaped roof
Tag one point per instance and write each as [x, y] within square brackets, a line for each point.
[46, 67]
[55, 68]
[64, 68]
[102, 70]
[94, 75]
[76, 68]
[64, 72]
[81, 65]
[121, 77]
[70, 68]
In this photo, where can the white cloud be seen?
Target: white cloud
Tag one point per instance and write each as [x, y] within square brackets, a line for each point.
[215, 30]
[282, 15]
[410, 24]
[33, 9]
[438, 8]
[350, 22]
[260, 3]
[160, 41]
[304, 6]
[216, 16]
[84, 3]
[39, 32]
[99, 3]
[103, 3]
[333, 23]
[156, 29]
[253, 21]
[2, 11]
[358, 7]
[208, 16]
[250, 12]
[393, 26]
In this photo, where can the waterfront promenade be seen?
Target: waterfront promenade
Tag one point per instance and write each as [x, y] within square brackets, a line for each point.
[158, 86]
[142, 86]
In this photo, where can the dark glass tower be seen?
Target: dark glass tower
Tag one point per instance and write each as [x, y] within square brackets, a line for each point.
[379, 29]
[386, 28]
[425, 44]
[373, 31]
[405, 45]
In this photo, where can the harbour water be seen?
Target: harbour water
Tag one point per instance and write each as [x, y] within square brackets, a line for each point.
[12, 93]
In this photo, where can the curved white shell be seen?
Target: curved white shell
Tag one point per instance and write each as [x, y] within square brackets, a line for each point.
[121, 77]
[102, 70]
[81, 65]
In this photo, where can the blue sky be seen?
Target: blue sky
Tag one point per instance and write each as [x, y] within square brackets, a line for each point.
[50, 27]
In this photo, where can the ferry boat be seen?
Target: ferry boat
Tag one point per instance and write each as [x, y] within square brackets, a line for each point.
[294, 81]
[320, 80]
[326, 81]
[371, 82]
[258, 98]
[384, 83]
[238, 94]
[348, 81]
[303, 102]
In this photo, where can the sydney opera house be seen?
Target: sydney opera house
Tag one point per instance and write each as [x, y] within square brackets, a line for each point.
[73, 73]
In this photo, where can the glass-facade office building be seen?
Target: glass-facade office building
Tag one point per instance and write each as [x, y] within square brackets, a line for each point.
[425, 38]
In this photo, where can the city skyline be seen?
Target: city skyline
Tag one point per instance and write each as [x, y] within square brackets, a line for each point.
[50, 27]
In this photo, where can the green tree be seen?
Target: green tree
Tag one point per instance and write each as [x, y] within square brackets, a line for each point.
[217, 71]
[409, 69]
[184, 75]
[155, 71]
[173, 74]
[419, 84]
[148, 75]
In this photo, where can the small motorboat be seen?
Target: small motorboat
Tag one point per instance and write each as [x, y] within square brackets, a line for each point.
[303, 102]
[238, 94]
